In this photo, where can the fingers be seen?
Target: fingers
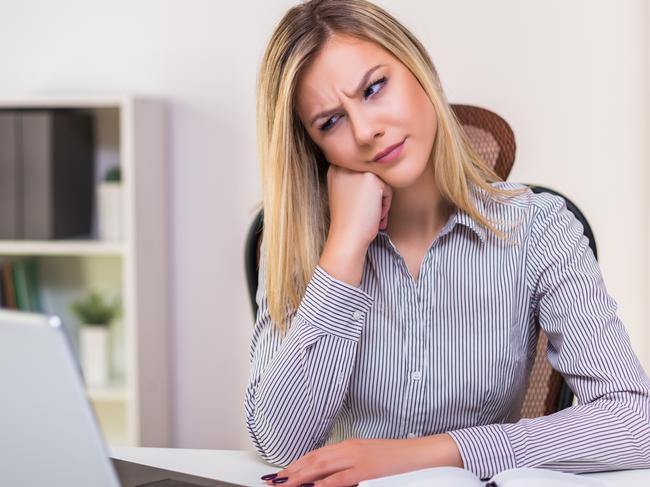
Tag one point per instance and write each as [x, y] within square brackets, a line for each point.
[314, 466]
[386, 200]
[342, 478]
[315, 471]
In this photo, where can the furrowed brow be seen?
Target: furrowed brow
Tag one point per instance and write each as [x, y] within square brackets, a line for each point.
[362, 83]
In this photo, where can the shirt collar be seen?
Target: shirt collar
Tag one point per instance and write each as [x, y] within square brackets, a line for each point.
[459, 216]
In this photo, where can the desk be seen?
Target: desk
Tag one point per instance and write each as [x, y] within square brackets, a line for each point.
[244, 467]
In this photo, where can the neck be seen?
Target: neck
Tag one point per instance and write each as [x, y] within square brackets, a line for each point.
[418, 212]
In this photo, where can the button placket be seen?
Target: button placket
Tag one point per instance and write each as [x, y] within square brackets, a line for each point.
[411, 422]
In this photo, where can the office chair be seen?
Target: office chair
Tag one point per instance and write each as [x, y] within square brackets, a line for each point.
[494, 140]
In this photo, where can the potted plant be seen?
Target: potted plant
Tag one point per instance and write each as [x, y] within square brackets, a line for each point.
[109, 205]
[95, 315]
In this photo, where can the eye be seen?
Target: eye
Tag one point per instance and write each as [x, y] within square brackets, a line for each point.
[327, 124]
[372, 89]
[369, 91]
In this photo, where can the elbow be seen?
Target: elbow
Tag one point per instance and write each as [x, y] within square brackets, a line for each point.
[275, 451]
[633, 412]
[274, 446]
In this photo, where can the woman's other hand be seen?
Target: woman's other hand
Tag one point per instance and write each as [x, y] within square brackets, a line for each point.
[349, 462]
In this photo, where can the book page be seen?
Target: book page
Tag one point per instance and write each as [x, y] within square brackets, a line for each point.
[540, 477]
[427, 477]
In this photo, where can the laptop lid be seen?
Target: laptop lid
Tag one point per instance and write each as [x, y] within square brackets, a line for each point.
[48, 432]
[49, 435]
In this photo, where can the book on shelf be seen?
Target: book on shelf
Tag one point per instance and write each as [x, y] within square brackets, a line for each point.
[458, 477]
[20, 289]
[46, 174]
[2, 290]
[9, 298]
[8, 177]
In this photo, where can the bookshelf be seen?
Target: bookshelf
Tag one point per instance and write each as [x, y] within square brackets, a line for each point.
[133, 408]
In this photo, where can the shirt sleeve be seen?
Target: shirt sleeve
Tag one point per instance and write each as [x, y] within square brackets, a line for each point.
[298, 381]
[609, 428]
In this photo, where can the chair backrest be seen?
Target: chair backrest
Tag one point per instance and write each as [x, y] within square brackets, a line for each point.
[490, 135]
[494, 140]
[547, 391]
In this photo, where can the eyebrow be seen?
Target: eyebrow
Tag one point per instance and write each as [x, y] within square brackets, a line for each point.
[362, 83]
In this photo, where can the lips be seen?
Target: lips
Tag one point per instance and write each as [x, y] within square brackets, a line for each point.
[389, 149]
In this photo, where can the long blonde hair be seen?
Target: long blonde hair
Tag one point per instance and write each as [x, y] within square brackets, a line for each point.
[293, 168]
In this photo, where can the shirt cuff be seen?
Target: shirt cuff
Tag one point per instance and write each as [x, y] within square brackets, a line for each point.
[334, 306]
[485, 450]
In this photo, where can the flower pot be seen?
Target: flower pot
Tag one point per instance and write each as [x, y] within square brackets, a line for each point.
[109, 210]
[94, 349]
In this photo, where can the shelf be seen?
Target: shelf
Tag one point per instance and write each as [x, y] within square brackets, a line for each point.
[130, 132]
[61, 247]
[46, 101]
[108, 394]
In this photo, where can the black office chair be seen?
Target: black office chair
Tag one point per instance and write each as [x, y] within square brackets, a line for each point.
[252, 257]
[557, 393]
[494, 140]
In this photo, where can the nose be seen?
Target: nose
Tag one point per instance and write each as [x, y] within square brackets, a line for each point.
[365, 127]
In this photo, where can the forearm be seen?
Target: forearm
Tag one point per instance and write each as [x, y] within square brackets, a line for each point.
[606, 434]
[342, 260]
[298, 382]
[438, 451]
[290, 407]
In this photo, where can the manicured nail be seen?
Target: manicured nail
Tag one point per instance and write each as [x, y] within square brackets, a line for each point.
[269, 476]
[308, 484]
[280, 480]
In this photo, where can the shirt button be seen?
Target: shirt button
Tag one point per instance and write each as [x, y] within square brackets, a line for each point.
[417, 375]
[357, 315]
[411, 435]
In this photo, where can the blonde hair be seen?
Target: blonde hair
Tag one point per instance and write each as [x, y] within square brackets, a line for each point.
[293, 168]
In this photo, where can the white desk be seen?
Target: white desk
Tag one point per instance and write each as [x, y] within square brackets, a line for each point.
[244, 467]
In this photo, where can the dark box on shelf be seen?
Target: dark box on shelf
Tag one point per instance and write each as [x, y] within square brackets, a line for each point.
[46, 174]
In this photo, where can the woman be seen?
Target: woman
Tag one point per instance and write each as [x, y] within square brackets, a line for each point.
[401, 282]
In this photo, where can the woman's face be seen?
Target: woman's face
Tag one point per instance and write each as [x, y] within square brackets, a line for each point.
[356, 100]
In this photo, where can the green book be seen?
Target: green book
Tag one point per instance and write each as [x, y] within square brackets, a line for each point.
[20, 285]
[33, 288]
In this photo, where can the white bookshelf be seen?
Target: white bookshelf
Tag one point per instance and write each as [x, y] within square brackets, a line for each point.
[134, 408]
[61, 247]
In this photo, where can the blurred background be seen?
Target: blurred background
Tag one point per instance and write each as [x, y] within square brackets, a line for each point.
[166, 90]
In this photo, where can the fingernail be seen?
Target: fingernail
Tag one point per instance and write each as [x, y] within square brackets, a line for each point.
[269, 476]
[280, 480]
[308, 484]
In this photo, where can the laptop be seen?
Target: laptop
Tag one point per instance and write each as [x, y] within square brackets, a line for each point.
[49, 435]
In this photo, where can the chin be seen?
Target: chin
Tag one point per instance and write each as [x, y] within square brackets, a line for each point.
[403, 174]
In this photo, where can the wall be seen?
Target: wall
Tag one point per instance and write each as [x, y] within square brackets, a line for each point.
[568, 76]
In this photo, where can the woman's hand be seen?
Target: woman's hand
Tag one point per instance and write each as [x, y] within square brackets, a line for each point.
[359, 204]
[349, 462]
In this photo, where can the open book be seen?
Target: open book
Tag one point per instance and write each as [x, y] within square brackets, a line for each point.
[458, 477]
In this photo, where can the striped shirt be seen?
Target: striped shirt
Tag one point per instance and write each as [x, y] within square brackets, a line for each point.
[452, 351]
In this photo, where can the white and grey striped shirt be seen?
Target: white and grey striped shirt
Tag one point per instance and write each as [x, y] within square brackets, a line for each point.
[452, 352]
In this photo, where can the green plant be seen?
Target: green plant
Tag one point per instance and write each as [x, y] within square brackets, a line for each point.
[113, 174]
[94, 310]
